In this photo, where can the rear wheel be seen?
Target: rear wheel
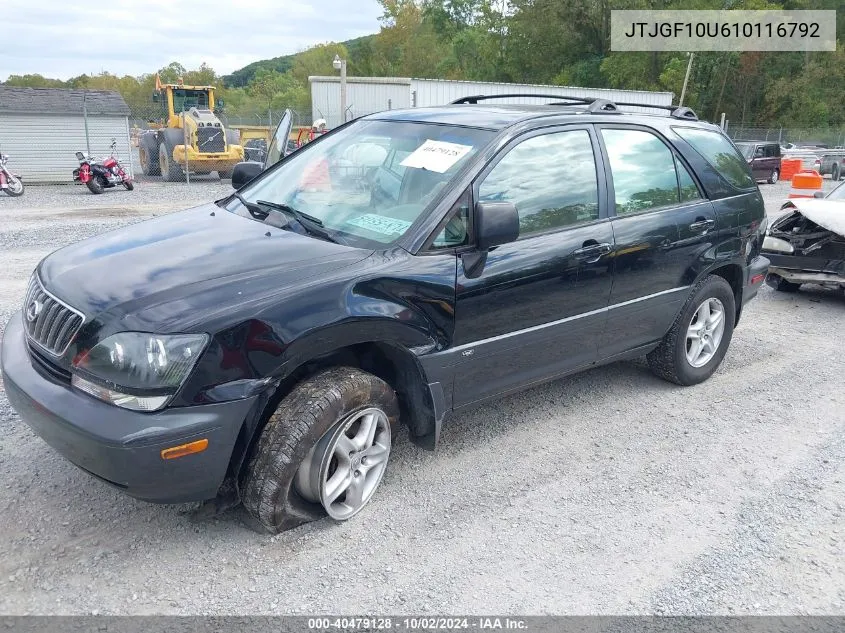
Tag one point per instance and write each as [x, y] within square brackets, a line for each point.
[323, 451]
[773, 177]
[780, 284]
[148, 155]
[14, 186]
[698, 340]
[171, 171]
[96, 185]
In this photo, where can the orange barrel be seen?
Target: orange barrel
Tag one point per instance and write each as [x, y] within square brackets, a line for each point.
[789, 167]
[805, 184]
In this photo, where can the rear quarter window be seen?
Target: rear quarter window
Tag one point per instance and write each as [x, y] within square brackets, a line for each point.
[718, 151]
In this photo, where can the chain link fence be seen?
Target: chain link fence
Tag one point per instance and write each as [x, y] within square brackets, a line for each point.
[788, 136]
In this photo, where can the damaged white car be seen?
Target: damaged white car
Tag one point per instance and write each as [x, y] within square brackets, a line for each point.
[807, 245]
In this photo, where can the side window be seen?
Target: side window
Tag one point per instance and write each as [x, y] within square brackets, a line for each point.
[689, 190]
[717, 150]
[643, 170]
[551, 179]
[456, 231]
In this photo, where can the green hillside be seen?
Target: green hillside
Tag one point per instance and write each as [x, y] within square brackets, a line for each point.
[241, 77]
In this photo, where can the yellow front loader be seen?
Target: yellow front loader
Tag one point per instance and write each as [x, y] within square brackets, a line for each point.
[190, 138]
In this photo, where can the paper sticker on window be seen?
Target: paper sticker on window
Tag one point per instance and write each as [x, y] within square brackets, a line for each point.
[380, 224]
[436, 156]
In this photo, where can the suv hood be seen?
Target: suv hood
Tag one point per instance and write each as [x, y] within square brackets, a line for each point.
[181, 269]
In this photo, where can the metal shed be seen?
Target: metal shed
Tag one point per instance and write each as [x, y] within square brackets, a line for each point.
[366, 95]
[43, 128]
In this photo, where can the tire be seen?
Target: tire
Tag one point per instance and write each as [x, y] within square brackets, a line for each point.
[836, 174]
[305, 420]
[780, 284]
[670, 359]
[225, 174]
[96, 185]
[129, 185]
[170, 169]
[14, 187]
[148, 155]
[773, 177]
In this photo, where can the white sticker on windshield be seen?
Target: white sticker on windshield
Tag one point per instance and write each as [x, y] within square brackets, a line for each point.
[380, 224]
[436, 156]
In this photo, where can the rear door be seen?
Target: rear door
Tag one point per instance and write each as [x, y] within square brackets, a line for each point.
[661, 227]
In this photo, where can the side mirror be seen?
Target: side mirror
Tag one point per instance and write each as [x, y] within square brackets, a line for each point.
[244, 172]
[219, 103]
[819, 194]
[496, 223]
[156, 97]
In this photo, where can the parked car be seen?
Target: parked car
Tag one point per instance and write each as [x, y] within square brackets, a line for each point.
[832, 163]
[807, 244]
[402, 267]
[764, 159]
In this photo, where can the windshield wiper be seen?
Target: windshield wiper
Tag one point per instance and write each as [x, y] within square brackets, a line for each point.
[312, 225]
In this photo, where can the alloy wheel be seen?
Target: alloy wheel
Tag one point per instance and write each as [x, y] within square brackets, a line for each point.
[705, 331]
[347, 464]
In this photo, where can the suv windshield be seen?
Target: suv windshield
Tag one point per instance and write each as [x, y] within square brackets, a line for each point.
[747, 149]
[369, 181]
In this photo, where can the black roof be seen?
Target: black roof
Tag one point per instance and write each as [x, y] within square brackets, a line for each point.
[60, 101]
[498, 117]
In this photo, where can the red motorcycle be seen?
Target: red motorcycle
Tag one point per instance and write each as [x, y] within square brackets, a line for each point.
[102, 175]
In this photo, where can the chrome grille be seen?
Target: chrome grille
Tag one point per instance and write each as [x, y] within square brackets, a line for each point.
[49, 323]
[210, 139]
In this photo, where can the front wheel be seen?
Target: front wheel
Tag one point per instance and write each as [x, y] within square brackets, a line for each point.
[96, 185]
[698, 340]
[129, 185]
[773, 177]
[323, 452]
[14, 186]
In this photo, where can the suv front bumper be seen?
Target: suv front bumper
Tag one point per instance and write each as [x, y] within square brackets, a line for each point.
[119, 446]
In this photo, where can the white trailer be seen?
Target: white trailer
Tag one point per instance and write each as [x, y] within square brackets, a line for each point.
[366, 95]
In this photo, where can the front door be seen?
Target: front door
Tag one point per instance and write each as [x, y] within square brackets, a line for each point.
[662, 229]
[538, 307]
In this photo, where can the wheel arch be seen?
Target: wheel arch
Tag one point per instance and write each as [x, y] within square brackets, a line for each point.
[394, 364]
[733, 274]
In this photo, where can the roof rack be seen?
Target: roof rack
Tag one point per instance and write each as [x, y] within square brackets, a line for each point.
[474, 99]
[595, 105]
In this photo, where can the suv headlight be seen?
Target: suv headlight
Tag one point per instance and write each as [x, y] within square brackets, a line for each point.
[136, 370]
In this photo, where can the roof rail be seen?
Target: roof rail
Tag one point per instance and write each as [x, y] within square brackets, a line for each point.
[476, 98]
[596, 104]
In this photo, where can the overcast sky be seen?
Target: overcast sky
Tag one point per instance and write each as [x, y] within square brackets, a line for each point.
[62, 38]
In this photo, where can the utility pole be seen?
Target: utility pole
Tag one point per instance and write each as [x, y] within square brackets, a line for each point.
[686, 79]
[340, 64]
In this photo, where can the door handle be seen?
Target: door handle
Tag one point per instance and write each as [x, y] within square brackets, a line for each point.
[592, 252]
[702, 225]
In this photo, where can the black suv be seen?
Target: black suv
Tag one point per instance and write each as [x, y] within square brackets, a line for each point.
[406, 265]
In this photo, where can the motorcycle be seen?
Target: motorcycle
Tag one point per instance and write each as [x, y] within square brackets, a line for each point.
[9, 182]
[101, 175]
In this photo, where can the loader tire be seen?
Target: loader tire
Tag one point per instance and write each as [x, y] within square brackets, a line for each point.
[171, 171]
[148, 155]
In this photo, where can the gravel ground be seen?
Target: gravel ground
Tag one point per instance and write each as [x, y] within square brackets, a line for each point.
[610, 492]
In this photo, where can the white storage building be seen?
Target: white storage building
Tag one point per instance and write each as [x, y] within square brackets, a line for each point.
[365, 95]
[43, 128]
